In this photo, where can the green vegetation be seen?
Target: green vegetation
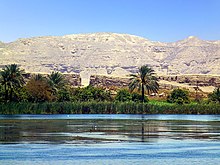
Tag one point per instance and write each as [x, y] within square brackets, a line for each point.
[215, 96]
[39, 90]
[178, 96]
[94, 107]
[11, 79]
[90, 93]
[145, 80]
[52, 94]
[124, 95]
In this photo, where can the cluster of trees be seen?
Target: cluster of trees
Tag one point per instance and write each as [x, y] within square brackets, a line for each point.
[181, 96]
[54, 88]
[39, 88]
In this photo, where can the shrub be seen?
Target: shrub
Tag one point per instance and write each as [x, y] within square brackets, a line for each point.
[178, 96]
[21, 95]
[91, 93]
[136, 97]
[64, 94]
[215, 96]
[123, 95]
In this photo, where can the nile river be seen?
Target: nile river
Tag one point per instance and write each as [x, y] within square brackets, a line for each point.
[109, 139]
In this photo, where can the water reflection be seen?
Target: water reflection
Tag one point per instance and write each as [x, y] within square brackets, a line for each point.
[87, 130]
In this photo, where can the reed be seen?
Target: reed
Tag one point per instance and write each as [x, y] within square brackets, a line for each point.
[152, 107]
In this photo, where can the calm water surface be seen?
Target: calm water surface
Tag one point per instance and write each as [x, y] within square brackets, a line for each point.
[109, 139]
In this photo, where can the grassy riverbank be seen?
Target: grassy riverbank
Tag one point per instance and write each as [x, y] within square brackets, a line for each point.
[152, 107]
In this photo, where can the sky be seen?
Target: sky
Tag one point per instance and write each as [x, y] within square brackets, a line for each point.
[157, 20]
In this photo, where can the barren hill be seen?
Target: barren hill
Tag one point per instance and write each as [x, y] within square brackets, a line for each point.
[111, 54]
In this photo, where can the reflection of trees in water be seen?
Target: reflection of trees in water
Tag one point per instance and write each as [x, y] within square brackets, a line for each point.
[104, 130]
[194, 129]
[29, 130]
[151, 130]
[142, 132]
[8, 132]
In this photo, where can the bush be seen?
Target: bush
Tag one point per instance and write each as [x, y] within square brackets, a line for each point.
[215, 96]
[91, 93]
[123, 95]
[63, 95]
[178, 96]
[21, 95]
[136, 97]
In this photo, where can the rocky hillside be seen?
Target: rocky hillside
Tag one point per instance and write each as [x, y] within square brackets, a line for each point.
[111, 54]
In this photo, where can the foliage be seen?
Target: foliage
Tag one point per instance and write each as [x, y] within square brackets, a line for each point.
[178, 96]
[1, 93]
[59, 86]
[215, 96]
[52, 95]
[64, 94]
[21, 95]
[94, 107]
[56, 81]
[12, 79]
[39, 89]
[91, 93]
[136, 97]
[39, 77]
[145, 80]
[123, 95]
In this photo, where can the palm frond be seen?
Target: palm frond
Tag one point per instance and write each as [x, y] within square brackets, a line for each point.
[146, 77]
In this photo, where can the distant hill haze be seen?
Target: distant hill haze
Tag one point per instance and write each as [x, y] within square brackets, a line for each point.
[111, 54]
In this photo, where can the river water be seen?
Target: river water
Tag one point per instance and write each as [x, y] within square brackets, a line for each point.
[109, 139]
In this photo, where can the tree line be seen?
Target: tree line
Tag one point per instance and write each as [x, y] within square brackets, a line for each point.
[55, 88]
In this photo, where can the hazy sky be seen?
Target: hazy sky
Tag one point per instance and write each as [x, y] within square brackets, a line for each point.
[158, 20]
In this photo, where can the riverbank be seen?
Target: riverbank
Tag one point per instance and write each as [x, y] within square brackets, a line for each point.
[152, 107]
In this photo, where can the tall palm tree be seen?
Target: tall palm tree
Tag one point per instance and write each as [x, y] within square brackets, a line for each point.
[56, 81]
[12, 79]
[144, 80]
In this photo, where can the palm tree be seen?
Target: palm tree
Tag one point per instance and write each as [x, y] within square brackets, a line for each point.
[39, 77]
[12, 79]
[56, 81]
[144, 80]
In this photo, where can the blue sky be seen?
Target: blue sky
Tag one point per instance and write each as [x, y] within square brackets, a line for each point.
[158, 20]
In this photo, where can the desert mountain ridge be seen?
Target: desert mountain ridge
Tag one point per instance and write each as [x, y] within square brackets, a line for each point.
[111, 54]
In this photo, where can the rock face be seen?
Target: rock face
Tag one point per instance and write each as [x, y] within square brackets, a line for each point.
[108, 82]
[111, 54]
[206, 83]
[193, 80]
